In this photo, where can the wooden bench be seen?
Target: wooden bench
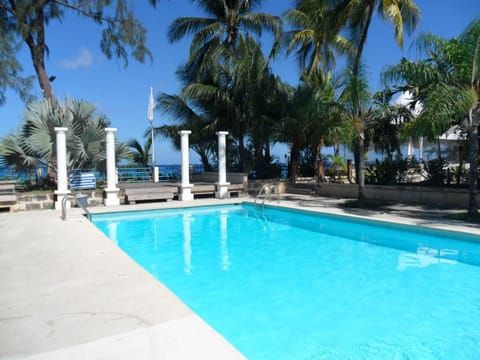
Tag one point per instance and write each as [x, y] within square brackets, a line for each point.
[8, 197]
[149, 193]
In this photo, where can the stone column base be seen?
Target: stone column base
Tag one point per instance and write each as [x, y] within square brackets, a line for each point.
[222, 191]
[186, 193]
[111, 197]
[60, 195]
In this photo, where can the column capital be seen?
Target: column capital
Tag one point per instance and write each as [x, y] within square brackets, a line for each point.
[110, 130]
[60, 129]
[222, 133]
[185, 132]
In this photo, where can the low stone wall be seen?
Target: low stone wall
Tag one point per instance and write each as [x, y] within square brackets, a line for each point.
[417, 195]
[42, 201]
[254, 186]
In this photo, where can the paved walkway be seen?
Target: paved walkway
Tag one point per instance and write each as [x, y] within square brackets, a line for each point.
[67, 292]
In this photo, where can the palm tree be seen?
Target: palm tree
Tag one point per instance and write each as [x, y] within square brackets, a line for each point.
[313, 117]
[188, 114]
[356, 99]
[357, 16]
[227, 21]
[214, 54]
[33, 145]
[315, 36]
[447, 82]
[140, 154]
[388, 122]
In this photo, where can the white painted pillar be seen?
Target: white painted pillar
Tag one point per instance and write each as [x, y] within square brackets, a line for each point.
[62, 181]
[410, 148]
[222, 184]
[186, 187]
[111, 192]
[420, 148]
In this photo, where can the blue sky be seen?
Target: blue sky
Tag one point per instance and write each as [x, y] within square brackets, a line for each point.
[121, 93]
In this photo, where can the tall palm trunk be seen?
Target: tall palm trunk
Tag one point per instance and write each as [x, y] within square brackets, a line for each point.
[474, 117]
[294, 160]
[241, 150]
[359, 168]
[473, 124]
[359, 156]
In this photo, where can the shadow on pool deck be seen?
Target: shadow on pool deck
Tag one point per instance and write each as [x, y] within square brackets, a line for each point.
[69, 293]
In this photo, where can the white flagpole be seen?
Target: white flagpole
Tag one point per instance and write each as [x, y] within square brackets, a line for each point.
[151, 108]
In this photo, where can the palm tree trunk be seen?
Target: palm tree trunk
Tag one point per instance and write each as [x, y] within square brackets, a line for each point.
[357, 110]
[473, 157]
[360, 167]
[294, 160]
[241, 150]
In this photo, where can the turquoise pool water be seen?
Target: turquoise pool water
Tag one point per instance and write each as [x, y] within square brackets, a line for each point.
[282, 284]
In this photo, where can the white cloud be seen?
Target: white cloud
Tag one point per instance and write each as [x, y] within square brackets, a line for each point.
[83, 59]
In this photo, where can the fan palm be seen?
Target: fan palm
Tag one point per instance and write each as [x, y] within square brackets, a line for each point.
[34, 143]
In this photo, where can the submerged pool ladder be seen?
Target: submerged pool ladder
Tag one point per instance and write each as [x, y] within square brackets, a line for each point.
[266, 193]
[79, 201]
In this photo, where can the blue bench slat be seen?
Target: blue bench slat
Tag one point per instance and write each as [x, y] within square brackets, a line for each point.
[83, 181]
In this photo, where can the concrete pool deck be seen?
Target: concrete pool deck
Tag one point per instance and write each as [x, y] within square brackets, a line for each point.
[67, 292]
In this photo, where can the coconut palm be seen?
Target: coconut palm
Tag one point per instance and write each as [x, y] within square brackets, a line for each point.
[182, 111]
[357, 16]
[315, 36]
[226, 22]
[141, 155]
[33, 145]
[215, 51]
[313, 118]
[447, 82]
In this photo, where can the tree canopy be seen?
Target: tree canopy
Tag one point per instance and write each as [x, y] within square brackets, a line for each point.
[23, 23]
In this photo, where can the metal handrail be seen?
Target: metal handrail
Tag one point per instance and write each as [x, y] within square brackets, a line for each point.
[79, 203]
[267, 190]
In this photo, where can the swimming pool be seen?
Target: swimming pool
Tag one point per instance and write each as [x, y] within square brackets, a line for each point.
[285, 284]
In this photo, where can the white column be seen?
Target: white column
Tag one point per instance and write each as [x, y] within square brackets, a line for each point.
[186, 187]
[222, 184]
[420, 148]
[111, 192]
[410, 148]
[62, 184]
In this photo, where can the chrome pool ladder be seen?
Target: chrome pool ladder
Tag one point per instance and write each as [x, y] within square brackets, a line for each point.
[266, 193]
[79, 201]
